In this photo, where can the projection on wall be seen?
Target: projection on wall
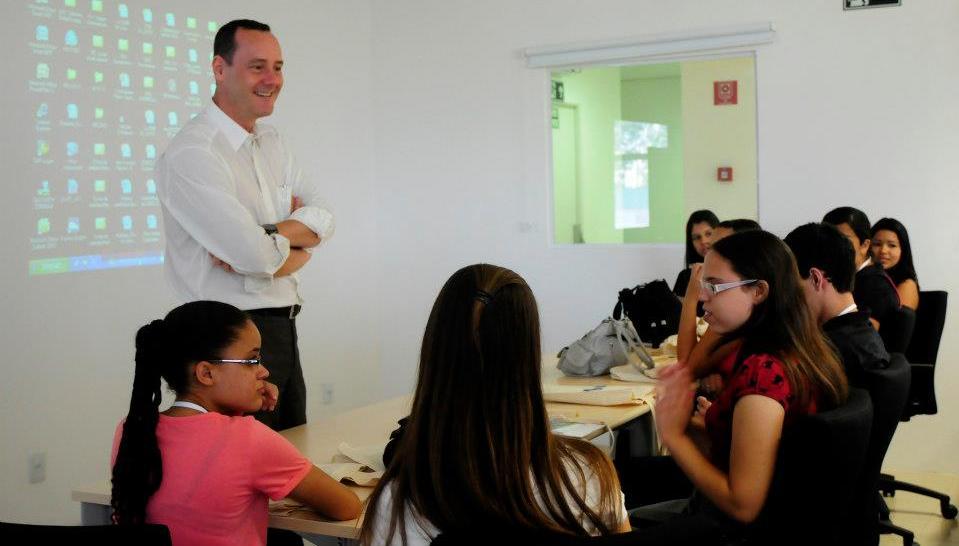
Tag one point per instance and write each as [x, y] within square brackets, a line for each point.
[111, 83]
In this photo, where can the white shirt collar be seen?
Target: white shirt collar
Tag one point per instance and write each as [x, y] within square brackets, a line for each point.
[864, 264]
[234, 134]
[851, 309]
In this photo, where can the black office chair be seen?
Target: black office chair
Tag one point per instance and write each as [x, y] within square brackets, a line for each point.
[922, 354]
[682, 531]
[102, 535]
[818, 470]
[897, 331]
[888, 389]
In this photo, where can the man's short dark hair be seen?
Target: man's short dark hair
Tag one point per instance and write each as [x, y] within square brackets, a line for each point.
[824, 247]
[854, 218]
[739, 224]
[224, 44]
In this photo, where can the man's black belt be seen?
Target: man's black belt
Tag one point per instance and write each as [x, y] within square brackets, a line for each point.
[284, 312]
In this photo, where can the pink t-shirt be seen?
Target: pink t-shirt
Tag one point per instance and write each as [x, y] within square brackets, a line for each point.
[217, 474]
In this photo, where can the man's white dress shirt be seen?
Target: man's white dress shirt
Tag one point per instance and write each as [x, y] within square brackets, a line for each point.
[217, 185]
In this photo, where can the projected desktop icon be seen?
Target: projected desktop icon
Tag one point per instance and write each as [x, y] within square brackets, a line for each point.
[99, 148]
[171, 85]
[149, 117]
[98, 113]
[44, 189]
[170, 52]
[43, 148]
[125, 151]
[72, 149]
[147, 15]
[70, 39]
[98, 77]
[151, 151]
[213, 88]
[151, 221]
[73, 224]
[43, 226]
[42, 33]
[151, 186]
[172, 119]
[43, 71]
[97, 40]
[96, 5]
[127, 222]
[126, 186]
[191, 22]
[170, 20]
[100, 223]
[148, 82]
[193, 55]
[99, 186]
[123, 44]
[123, 11]
[147, 48]
[72, 111]
[73, 186]
[70, 3]
[194, 88]
[71, 74]
[211, 26]
[42, 110]
[124, 79]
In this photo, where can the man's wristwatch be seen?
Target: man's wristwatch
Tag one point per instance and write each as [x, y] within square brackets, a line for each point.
[270, 229]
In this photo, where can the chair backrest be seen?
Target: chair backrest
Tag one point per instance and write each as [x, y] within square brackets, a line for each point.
[888, 389]
[897, 332]
[818, 467]
[102, 535]
[923, 352]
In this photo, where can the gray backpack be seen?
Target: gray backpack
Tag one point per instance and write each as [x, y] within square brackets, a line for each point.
[604, 347]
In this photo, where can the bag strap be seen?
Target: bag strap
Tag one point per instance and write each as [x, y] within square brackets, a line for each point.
[626, 332]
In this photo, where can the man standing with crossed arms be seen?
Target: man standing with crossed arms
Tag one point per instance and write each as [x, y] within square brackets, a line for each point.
[239, 216]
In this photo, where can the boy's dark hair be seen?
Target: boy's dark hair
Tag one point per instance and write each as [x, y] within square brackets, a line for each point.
[224, 44]
[823, 246]
[853, 217]
[739, 224]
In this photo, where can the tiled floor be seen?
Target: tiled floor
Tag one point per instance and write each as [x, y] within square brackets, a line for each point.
[921, 514]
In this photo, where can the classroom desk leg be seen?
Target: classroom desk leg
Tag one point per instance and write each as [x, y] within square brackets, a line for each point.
[94, 514]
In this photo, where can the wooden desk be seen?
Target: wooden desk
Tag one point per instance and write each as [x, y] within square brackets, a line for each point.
[371, 425]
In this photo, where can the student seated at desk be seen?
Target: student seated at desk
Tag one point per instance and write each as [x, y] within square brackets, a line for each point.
[891, 250]
[201, 468]
[476, 451]
[699, 236]
[783, 369]
[874, 291]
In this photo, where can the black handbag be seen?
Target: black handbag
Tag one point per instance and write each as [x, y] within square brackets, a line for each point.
[653, 309]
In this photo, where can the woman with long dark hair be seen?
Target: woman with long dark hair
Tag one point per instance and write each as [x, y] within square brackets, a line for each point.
[477, 452]
[891, 249]
[699, 234]
[784, 368]
[200, 467]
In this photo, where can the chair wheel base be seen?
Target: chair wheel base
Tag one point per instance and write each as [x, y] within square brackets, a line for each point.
[949, 511]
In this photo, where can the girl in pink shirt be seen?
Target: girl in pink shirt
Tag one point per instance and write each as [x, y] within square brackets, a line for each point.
[201, 468]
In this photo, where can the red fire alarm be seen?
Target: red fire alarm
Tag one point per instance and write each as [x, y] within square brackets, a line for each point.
[725, 93]
[724, 174]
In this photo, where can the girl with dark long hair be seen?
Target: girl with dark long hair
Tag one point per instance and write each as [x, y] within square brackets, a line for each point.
[477, 451]
[784, 368]
[699, 235]
[891, 249]
[200, 467]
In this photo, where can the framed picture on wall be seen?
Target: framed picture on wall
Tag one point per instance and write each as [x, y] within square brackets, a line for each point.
[860, 4]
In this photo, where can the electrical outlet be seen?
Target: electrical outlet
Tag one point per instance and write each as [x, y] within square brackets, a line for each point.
[326, 390]
[38, 467]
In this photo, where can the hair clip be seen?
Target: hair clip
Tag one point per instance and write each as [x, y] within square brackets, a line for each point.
[484, 297]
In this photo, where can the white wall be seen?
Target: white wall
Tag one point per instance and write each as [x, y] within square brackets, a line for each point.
[431, 137]
[854, 108]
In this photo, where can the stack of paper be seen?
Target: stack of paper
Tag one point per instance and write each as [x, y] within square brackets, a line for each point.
[599, 395]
